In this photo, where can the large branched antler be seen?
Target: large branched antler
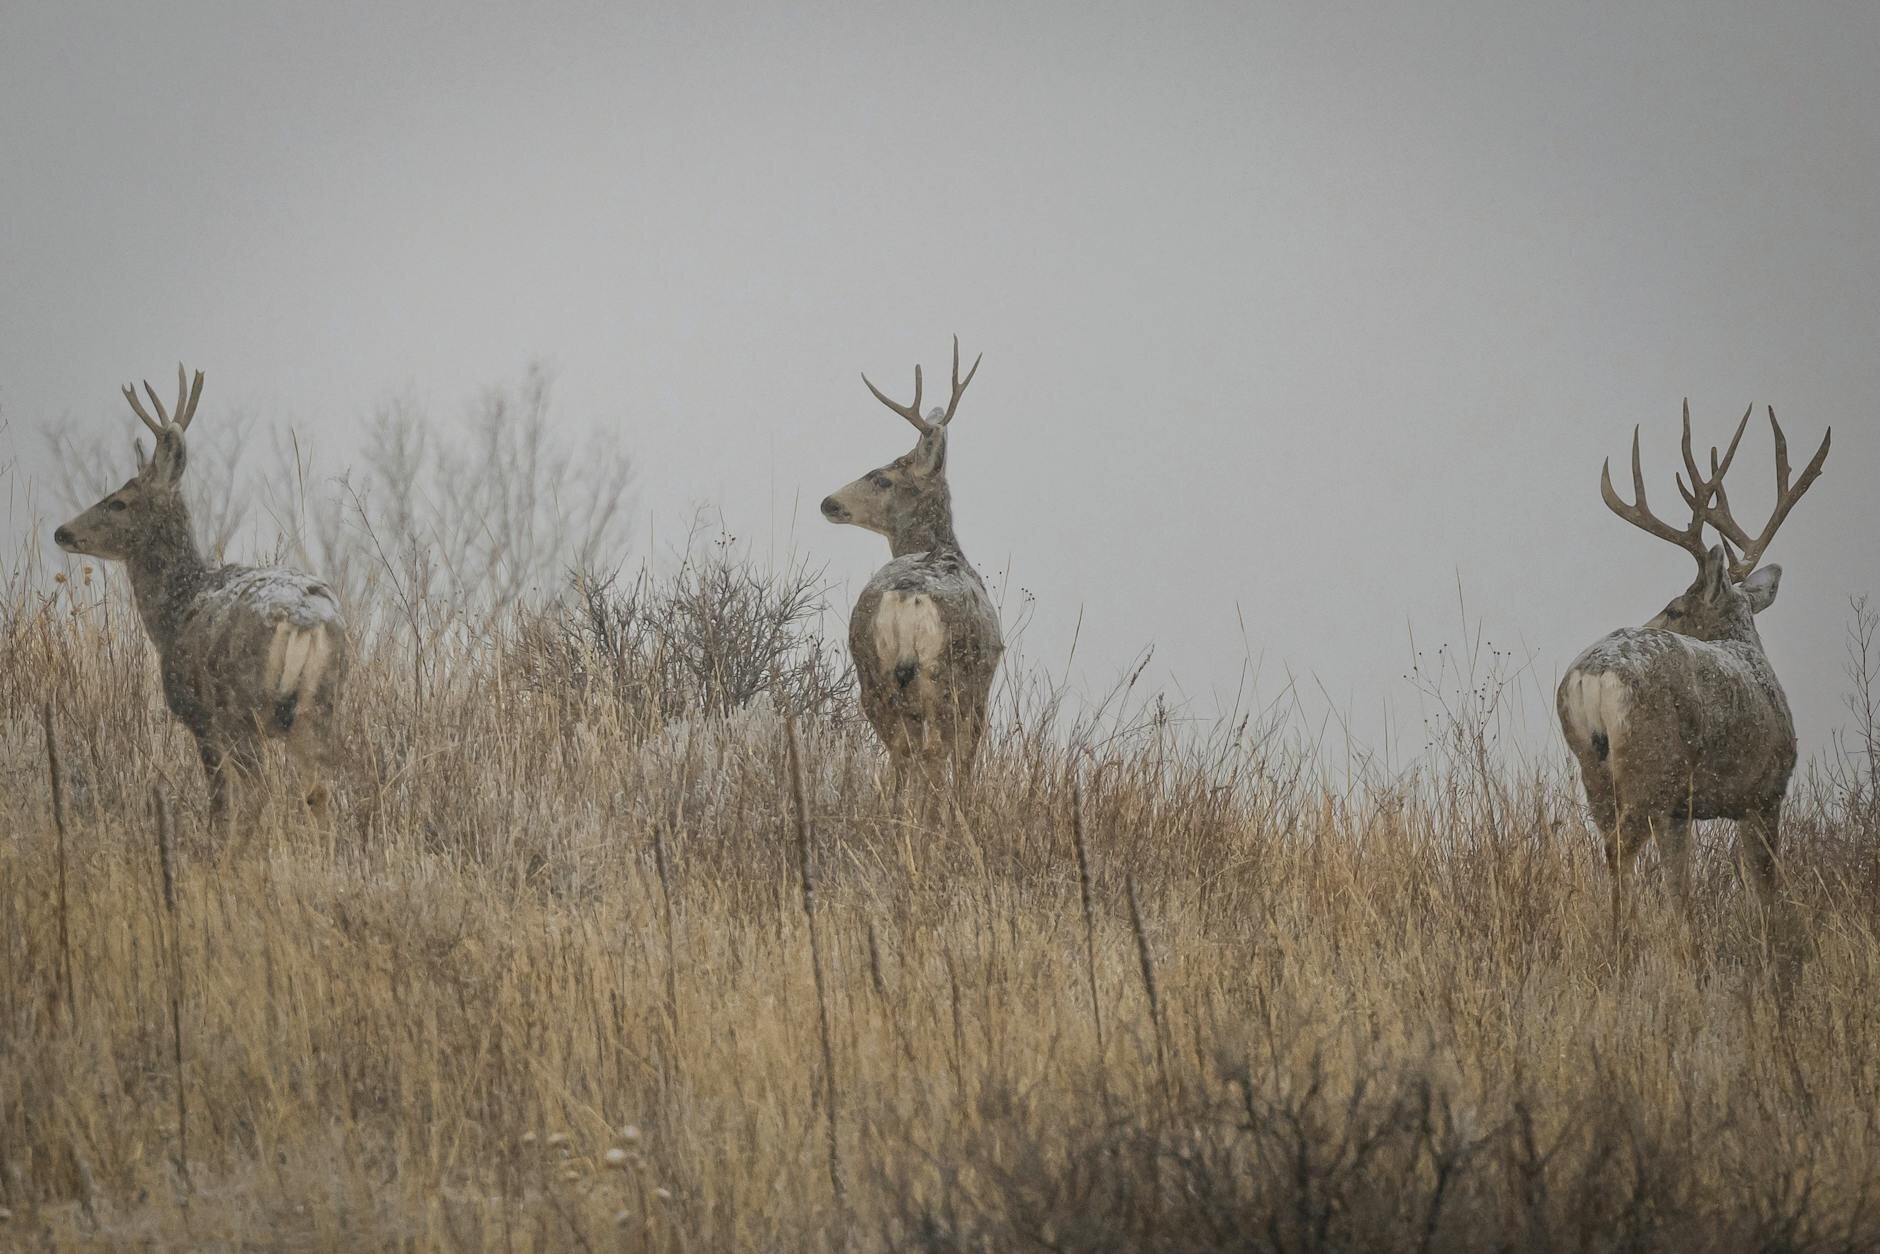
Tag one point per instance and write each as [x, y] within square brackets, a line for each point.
[186, 398]
[1717, 511]
[1707, 499]
[1639, 514]
[936, 420]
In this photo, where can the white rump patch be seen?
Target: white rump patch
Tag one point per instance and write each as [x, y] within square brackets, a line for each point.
[297, 658]
[908, 628]
[1596, 703]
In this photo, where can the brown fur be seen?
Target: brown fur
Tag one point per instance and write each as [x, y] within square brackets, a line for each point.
[246, 653]
[1683, 719]
[924, 634]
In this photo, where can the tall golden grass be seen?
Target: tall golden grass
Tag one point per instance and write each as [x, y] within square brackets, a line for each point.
[547, 982]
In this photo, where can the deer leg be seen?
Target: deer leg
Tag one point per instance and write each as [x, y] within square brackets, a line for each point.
[966, 753]
[1600, 800]
[1758, 834]
[1674, 848]
[215, 768]
[1630, 833]
[897, 775]
[241, 763]
[311, 748]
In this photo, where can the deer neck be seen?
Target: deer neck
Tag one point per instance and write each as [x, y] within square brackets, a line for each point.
[926, 526]
[1746, 635]
[167, 573]
[1739, 629]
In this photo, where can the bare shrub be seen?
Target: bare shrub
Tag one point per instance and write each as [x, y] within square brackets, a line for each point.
[1856, 758]
[1377, 1155]
[488, 512]
[708, 639]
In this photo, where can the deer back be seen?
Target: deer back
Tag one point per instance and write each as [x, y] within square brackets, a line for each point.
[925, 640]
[253, 646]
[1692, 727]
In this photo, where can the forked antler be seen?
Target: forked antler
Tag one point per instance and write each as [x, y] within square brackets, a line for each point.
[186, 398]
[1639, 514]
[1708, 501]
[1718, 513]
[912, 412]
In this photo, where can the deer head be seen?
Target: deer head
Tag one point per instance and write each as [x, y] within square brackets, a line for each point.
[151, 502]
[907, 500]
[1729, 589]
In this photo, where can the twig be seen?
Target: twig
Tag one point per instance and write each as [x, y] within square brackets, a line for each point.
[1161, 1049]
[816, 965]
[58, 822]
[1148, 984]
[1090, 935]
[672, 971]
[176, 986]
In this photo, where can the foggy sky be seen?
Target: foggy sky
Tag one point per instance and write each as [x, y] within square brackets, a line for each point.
[1296, 318]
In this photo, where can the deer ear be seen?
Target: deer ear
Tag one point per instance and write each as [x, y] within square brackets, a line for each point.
[171, 455]
[143, 458]
[1761, 588]
[930, 455]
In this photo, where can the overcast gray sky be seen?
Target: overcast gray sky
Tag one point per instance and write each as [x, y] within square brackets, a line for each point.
[1293, 315]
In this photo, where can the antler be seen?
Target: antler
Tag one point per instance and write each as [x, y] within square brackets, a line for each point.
[186, 398]
[937, 419]
[1702, 489]
[1718, 514]
[1691, 539]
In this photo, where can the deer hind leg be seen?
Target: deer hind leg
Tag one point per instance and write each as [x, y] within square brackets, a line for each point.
[969, 728]
[1758, 833]
[1674, 849]
[233, 766]
[215, 768]
[1784, 931]
[1631, 832]
[312, 757]
[311, 746]
[897, 782]
[1601, 801]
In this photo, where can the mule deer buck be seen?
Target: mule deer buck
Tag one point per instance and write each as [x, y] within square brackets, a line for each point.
[245, 652]
[1683, 718]
[924, 634]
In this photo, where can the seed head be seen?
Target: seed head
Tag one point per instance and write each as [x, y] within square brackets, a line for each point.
[616, 1158]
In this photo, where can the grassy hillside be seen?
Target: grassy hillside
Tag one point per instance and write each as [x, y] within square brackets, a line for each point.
[548, 981]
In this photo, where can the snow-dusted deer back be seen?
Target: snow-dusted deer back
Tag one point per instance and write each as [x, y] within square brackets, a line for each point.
[247, 653]
[924, 634]
[1683, 718]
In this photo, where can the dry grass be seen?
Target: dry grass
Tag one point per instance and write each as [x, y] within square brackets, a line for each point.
[1388, 1015]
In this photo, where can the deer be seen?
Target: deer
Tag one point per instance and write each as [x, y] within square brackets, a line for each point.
[246, 654]
[924, 634]
[1683, 719]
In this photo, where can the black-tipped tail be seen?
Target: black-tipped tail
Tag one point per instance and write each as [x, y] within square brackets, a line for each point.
[1601, 745]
